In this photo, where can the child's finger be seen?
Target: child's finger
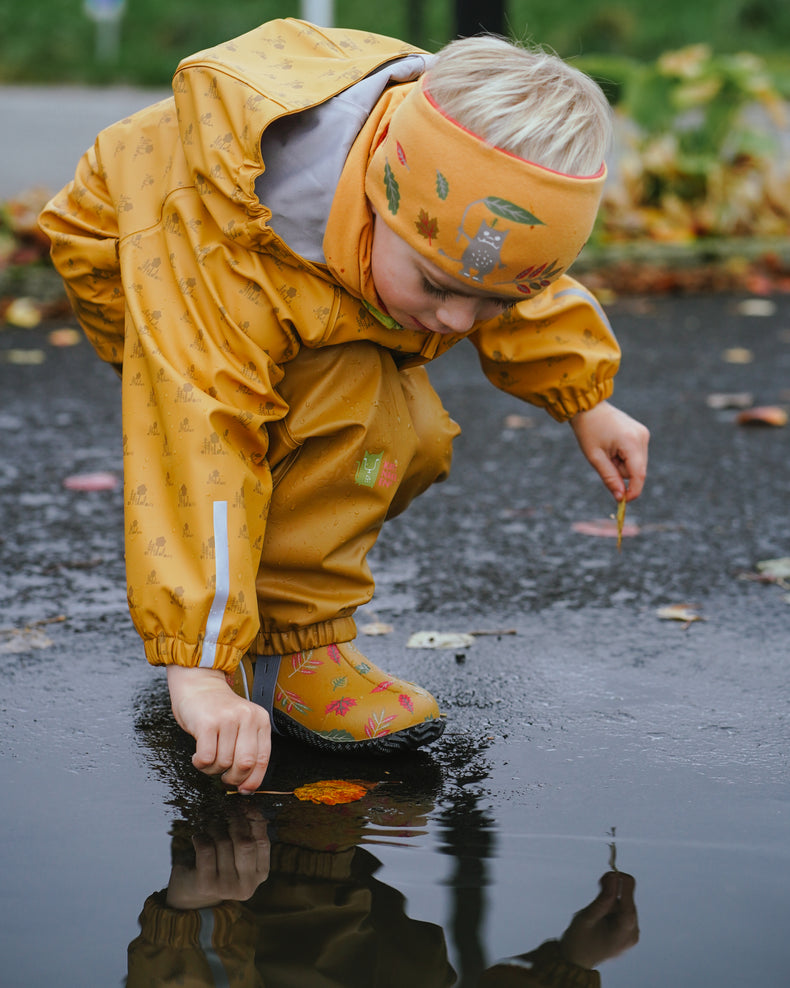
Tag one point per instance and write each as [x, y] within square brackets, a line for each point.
[253, 747]
[255, 778]
[227, 747]
[205, 750]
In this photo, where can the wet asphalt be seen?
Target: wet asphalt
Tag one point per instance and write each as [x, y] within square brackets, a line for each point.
[579, 710]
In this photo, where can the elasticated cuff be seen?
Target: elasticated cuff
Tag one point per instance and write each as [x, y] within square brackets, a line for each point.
[166, 651]
[270, 641]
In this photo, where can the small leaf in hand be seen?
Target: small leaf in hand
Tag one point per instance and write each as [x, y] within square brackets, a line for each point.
[620, 523]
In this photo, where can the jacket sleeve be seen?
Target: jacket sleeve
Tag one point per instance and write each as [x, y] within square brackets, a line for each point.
[193, 947]
[194, 319]
[556, 351]
[81, 223]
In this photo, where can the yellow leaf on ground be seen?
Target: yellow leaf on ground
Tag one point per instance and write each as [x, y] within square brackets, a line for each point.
[376, 628]
[28, 358]
[23, 312]
[686, 613]
[738, 355]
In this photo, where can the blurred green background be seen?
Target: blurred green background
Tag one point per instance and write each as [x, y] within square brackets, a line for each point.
[702, 89]
[54, 40]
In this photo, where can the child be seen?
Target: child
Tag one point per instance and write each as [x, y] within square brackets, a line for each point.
[268, 258]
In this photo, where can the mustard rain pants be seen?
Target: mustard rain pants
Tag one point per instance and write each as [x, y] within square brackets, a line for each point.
[360, 441]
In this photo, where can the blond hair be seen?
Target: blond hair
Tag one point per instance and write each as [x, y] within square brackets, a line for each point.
[524, 100]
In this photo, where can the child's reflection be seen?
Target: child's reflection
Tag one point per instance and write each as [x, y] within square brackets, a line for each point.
[302, 909]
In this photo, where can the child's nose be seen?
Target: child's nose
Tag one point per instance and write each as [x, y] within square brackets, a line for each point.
[458, 313]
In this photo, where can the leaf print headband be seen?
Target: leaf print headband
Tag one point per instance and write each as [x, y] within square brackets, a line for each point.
[481, 214]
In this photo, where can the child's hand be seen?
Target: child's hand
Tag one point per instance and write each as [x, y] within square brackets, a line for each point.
[232, 734]
[227, 867]
[607, 927]
[616, 446]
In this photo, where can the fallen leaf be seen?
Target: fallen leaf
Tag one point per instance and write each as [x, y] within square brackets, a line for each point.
[738, 355]
[23, 312]
[620, 518]
[25, 640]
[99, 481]
[606, 528]
[679, 612]
[757, 307]
[775, 570]
[25, 357]
[331, 792]
[376, 628]
[762, 415]
[737, 400]
[64, 337]
[439, 639]
[14, 640]
[518, 422]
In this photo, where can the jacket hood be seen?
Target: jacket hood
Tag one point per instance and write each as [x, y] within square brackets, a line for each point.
[227, 96]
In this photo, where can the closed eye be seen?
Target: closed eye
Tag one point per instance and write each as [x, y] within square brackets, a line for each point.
[444, 293]
[435, 290]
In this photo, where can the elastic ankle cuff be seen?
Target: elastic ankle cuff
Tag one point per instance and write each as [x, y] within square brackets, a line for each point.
[276, 642]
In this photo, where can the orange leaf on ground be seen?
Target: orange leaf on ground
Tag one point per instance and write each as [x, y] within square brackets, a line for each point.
[331, 792]
[762, 415]
[64, 337]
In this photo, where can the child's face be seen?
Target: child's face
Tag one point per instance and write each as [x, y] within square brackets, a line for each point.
[419, 295]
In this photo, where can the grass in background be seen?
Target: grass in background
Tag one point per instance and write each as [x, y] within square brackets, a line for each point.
[53, 40]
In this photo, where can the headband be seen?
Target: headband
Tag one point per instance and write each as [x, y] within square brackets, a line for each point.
[480, 213]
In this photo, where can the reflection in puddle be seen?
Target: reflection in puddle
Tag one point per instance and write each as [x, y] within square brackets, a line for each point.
[272, 891]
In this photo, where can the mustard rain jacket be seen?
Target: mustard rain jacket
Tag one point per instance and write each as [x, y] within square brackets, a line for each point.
[177, 270]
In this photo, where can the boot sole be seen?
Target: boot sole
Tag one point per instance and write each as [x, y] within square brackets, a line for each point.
[388, 744]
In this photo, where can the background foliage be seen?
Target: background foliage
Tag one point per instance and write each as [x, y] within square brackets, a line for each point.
[702, 92]
[54, 41]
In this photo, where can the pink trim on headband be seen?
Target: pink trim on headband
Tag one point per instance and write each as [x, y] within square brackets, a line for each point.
[601, 171]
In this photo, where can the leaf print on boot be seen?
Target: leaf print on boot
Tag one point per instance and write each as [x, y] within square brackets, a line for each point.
[336, 699]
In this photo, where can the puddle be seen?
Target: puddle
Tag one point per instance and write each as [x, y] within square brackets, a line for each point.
[456, 859]
[594, 716]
